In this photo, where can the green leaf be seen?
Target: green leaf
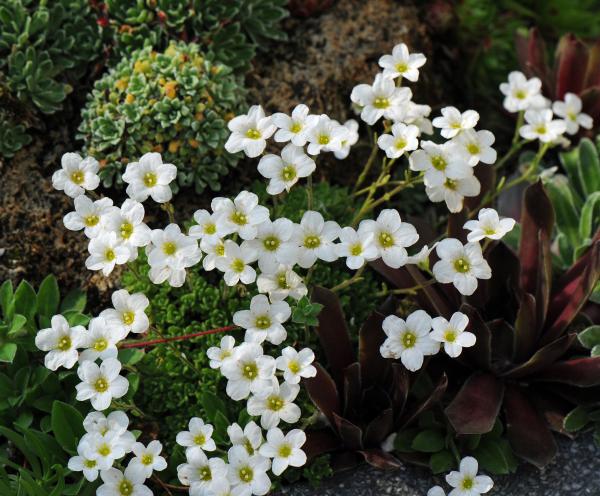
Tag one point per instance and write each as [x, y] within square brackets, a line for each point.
[48, 296]
[428, 441]
[74, 301]
[491, 457]
[17, 323]
[576, 419]
[306, 312]
[21, 445]
[441, 462]
[8, 352]
[6, 298]
[67, 425]
[131, 356]
[212, 405]
[26, 301]
[595, 351]
[567, 216]
[587, 219]
[590, 337]
[404, 439]
[589, 166]
[75, 318]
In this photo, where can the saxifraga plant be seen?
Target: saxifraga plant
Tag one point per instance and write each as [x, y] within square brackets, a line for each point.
[174, 102]
[526, 364]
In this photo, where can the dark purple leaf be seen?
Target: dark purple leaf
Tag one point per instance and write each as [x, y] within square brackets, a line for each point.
[526, 330]
[571, 62]
[527, 432]
[350, 433]
[380, 459]
[371, 336]
[480, 355]
[475, 408]
[531, 52]
[503, 337]
[582, 372]
[379, 428]
[432, 399]
[352, 392]
[323, 392]
[592, 75]
[319, 442]
[400, 388]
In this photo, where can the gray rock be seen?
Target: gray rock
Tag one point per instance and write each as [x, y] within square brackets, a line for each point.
[576, 470]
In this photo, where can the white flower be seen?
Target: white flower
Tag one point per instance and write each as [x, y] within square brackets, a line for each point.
[439, 162]
[357, 247]
[235, 263]
[242, 215]
[250, 437]
[220, 487]
[128, 225]
[522, 93]
[207, 228]
[61, 342]
[251, 372]
[201, 473]
[280, 281]
[150, 177]
[285, 450]
[403, 139]
[285, 171]
[249, 132]
[460, 265]
[100, 341]
[264, 320]
[147, 458]
[88, 215]
[409, 340]
[452, 122]
[76, 175]
[402, 64]
[570, 111]
[129, 311]
[453, 191]
[418, 114]
[170, 253]
[106, 252]
[100, 384]
[466, 482]
[452, 334]
[326, 135]
[314, 238]
[105, 449]
[296, 364]
[421, 258]
[351, 137]
[81, 463]
[115, 423]
[476, 146]
[275, 404]
[218, 355]
[214, 249]
[117, 483]
[436, 491]
[391, 236]
[248, 473]
[382, 99]
[489, 225]
[540, 125]
[198, 438]
[294, 128]
[273, 240]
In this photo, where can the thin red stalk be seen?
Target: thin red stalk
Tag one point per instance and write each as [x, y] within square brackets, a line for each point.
[142, 344]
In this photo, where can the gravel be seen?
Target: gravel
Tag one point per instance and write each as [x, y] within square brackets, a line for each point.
[576, 470]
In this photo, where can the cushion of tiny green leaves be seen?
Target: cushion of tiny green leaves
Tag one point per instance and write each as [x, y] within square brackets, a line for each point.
[229, 31]
[175, 102]
[13, 136]
[45, 47]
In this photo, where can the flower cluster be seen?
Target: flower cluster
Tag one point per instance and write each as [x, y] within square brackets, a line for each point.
[465, 481]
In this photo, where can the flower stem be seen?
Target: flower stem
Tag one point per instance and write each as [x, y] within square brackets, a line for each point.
[407, 291]
[368, 164]
[348, 282]
[309, 193]
[143, 344]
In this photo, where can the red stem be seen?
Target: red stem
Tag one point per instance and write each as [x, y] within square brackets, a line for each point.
[142, 344]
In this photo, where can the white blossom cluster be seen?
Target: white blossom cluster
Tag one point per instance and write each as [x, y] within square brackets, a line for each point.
[465, 481]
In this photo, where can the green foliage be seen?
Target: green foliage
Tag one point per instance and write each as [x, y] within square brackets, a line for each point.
[228, 32]
[175, 102]
[45, 47]
[306, 312]
[13, 136]
[40, 423]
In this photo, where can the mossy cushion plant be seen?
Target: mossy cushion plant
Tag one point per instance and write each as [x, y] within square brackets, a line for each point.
[175, 102]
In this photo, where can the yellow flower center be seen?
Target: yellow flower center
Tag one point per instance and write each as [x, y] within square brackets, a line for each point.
[253, 133]
[128, 317]
[439, 162]
[246, 474]
[91, 220]
[210, 228]
[294, 366]
[239, 218]
[89, 463]
[275, 403]
[125, 487]
[282, 281]
[462, 265]
[489, 231]
[467, 483]
[200, 439]
[284, 451]
[356, 250]
[541, 129]
[204, 473]
[147, 459]
[263, 322]
[64, 343]
[312, 242]
[381, 103]
[238, 265]
[271, 243]
[473, 149]
[520, 94]
[450, 335]
[248, 446]
[104, 450]
[323, 139]
[288, 173]
[572, 116]
[101, 385]
[296, 127]
[169, 248]
[250, 371]
[400, 144]
[101, 344]
[409, 339]
[150, 179]
[77, 177]
[386, 240]
[450, 184]
[109, 255]
[220, 250]
[401, 67]
[126, 230]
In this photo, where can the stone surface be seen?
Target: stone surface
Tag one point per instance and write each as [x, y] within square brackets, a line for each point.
[575, 471]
